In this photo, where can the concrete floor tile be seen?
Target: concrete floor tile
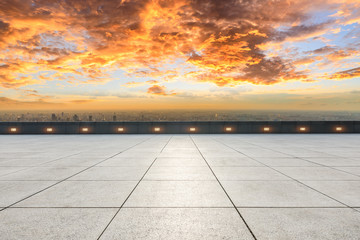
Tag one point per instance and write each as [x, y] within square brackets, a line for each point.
[275, 194]
[177, 223]
[43, 174]
[82, 194]
[316, 173]
[9, 170]
[137, 155]
[178, 194]
[347, 192]
[231, 162]
[284, 162]
[335, 161]
[50, 223]
[112, 173]
[73, 162]
[179, 173]
[13, 191]
[179, 162]
[182, 154]
[247, 173]
[352, 170]
[30, 162]
[128, 162]
[303, 223]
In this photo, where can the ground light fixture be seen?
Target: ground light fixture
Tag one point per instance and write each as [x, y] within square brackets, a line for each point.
[49, 130]
[192, 129]
[228, 129]
[339, 129]
[13, 130]
[266, 129]
[157, 129]
[120, 129]
[302, 129]
[84, 129]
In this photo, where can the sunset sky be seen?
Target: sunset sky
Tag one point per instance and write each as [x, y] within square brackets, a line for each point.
[180, 54]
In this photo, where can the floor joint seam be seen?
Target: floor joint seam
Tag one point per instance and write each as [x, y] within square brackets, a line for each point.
[234, 206]
[116, 213]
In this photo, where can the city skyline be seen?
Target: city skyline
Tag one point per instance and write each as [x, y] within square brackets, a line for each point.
[186, 54]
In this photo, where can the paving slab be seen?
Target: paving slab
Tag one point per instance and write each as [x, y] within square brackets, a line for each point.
[54, 223]
[13, 191]
[73, 162]
[247, 173]
[177, 223]
[284, 162]
[347, 192]
[303, 223]
[275, 194]
[316, 173]
[178, 194]
[179, 162]
[352, 170]
[82, 194]
[43, 174]
[172, 173]
[128, 161]
[112, 173]
[8, 170]
[337, 161]
[232, 162]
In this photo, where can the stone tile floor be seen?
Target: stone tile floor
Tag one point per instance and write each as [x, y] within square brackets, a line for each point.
[303, 186]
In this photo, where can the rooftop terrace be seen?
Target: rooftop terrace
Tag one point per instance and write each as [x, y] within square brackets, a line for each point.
[221, 186]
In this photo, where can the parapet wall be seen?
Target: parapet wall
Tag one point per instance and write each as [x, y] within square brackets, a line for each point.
[200, 127]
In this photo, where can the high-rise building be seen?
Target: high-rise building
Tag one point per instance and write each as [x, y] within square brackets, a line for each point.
[75, 118]
[53, 117]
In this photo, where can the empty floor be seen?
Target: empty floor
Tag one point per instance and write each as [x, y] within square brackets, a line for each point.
[302, 186]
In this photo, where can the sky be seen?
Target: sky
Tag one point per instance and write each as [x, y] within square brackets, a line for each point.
[180, 54]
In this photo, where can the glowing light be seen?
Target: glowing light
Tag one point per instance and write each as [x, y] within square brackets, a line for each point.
[192, 129]
[49, 129]
[85, 129]
[13, 129]
[266, 129]
[120, 129]
[157, 129]
[302, 129]
[228, 129]
[338, 129]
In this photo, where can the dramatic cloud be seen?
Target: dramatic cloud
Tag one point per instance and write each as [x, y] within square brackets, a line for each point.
[159, 90]
[350, 73]
[154, 42]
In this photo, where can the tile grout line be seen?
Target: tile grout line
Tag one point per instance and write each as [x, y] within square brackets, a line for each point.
[71, 176]
[298, 181]
[122, 205]
[234, 206]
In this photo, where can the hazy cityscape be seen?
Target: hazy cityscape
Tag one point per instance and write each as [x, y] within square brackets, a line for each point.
[70, 116]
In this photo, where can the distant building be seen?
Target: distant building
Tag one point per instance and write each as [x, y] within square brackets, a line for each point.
[90, 118]
[114, 118]
[53, 117]
[75, 118]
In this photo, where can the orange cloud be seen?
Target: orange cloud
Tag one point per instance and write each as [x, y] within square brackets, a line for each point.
[159, 90]
[347, 74]
[225, 41]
